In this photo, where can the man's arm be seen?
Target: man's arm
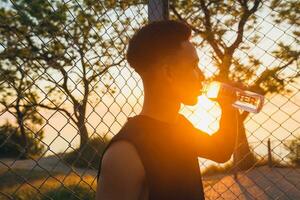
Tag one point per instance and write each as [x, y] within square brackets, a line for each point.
[219, 146]
[122, 173]
[224, 139]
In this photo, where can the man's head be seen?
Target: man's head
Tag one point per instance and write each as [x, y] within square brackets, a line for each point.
[163, 55]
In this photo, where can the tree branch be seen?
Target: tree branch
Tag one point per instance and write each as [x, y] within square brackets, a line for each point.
[104, 70]
[243, 4]
[272, 72]
[65, 87]
[241, 26]
[7, 107]
[206, 35]
[196, 30]
[54, 108]
[172, 7]
[210, 36]
[85, 81]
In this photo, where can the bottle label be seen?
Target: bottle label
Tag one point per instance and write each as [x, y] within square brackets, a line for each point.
[245, 100]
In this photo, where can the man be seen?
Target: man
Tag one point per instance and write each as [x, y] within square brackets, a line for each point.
[154, 156]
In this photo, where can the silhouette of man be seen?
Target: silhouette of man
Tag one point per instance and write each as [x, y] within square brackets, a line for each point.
[154, 156]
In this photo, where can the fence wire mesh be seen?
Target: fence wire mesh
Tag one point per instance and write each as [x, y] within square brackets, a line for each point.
[66, 90]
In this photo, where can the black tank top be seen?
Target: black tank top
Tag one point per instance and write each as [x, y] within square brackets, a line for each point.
[171, 167]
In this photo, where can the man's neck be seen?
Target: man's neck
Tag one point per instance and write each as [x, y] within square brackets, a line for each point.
[160, 108]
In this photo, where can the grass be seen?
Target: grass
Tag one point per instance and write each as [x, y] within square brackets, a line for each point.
[39, 185]
[21, 184]
[88, 156]
[10, 178]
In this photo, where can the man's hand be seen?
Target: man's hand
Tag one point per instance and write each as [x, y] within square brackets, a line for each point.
[224, 99]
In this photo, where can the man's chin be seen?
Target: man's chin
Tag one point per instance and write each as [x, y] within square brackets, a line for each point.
[191, 101]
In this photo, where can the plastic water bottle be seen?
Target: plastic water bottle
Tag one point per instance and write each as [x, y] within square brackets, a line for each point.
[245, 100]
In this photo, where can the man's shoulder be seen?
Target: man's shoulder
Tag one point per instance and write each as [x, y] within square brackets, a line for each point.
[119, 148]
[122, 158]
[123, 144]
[131, 131]
[122, 173]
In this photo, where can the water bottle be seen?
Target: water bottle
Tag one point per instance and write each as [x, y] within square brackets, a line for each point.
[245, 100]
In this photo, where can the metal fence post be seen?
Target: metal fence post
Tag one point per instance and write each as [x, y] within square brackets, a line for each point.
[270, 163]
[158, 10]
[298, 153]
[235, 170]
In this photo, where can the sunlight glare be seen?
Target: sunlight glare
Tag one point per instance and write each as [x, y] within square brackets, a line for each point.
[212, 89]
[205, 115]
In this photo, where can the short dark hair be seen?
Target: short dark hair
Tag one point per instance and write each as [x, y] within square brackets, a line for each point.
[155, 41]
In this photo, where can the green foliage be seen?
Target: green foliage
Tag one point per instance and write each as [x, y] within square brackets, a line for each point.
[70, 192]
[68, 47]
[294, 150]
[51, 185]
[88, 156]
[231, 27]
[18, 92]
[234, 33]
[12, 177]
[11, 142]
[218, 169]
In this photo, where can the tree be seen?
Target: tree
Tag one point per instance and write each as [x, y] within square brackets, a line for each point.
[17, 90]
[230, 26]
[71, 46]
[16, 95]
[11, 142]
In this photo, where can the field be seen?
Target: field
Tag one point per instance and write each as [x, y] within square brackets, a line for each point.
[50, 179]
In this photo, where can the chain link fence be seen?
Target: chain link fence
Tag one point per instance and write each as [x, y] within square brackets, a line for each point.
[66, 90]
